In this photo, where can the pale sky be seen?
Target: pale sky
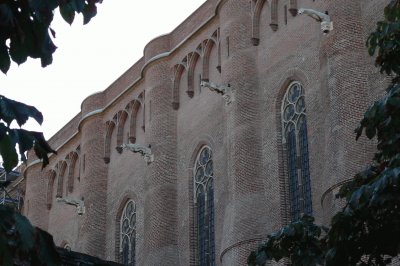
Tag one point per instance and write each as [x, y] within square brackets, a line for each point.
[90, 57]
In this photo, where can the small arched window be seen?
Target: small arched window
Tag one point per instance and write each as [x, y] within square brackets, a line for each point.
[128, 234]
[294, 125]
[204, 200]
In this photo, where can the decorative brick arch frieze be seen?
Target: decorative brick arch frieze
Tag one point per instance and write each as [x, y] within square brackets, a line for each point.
[207, 46]
[110, 125]
[178, 71]
[192, 61]
[51, 176]
[189, 63]
[219, 68]
[274, 15]
[291, 76]
[132, 108]
[119, 120]
[61, 166]
[142, 100]
[128, 195]
[256, 22]
[72, 159]
[215, 37]
[293, 7]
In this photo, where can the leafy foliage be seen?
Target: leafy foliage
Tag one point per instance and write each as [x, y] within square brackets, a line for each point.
[25, 27]
[25, 32]
[385, 39]
[301, 241]
[367, 230]
[10, 111]
[21, 242]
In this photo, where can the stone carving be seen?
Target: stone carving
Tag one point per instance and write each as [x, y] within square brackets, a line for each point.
[79, 204]
[324, 18]
[137, 148]
[226, 91]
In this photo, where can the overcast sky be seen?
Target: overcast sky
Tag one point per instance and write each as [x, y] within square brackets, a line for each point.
[89, 58]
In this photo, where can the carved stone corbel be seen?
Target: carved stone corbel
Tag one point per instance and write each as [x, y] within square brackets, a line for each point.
[226, 91]
[137, 148]
[79, 204]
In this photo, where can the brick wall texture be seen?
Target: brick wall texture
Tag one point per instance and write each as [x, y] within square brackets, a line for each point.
[159, 103]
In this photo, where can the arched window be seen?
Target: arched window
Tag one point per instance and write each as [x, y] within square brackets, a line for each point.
[294, 124]
[128, 234]
[204, 200]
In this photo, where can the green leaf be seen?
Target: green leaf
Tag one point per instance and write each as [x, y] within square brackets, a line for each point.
[25, 231]
[28, 139]
[12, 110]
[53, 33]
[5, 252]
[8, 153]
[67, 12]
[24, 140]
[3, 130]
[18, 51]
[48, 254]
[48, 49]
[7, 16]
[90, 11]
[38, 5]
[41, 148]
[78, 5]
[370, 131]
[5, 61]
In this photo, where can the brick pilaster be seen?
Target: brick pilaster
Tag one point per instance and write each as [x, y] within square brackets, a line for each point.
[244, 225]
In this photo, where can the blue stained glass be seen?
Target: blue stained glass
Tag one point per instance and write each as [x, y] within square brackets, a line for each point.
[128, 223]
[129, 208]
[132, 220]
[125, 251]
[199, 174]
[294, 93]
[125, 225]
[210, 210]
[289, 112]
[209, 168]
[305, 168]
[201, 225]
[300, 105]
[204, 156]
[203, 179]
[295, 130]
[293, 177]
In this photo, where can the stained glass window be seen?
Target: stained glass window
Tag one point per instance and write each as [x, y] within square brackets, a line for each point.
[204, 200]
[295, 140]
[128, 234]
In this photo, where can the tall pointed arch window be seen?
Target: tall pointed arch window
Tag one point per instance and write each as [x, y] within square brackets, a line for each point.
[294, 125]
[204, 200]
[128, 234]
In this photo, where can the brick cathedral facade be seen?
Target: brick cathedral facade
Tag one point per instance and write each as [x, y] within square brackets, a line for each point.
[226, 171]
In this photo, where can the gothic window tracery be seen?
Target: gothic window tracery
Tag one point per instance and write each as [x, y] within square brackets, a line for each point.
[204, 200]
[295, 140]
[128, 234]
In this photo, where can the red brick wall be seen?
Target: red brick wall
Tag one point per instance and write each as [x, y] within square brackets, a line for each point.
[251, 194]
